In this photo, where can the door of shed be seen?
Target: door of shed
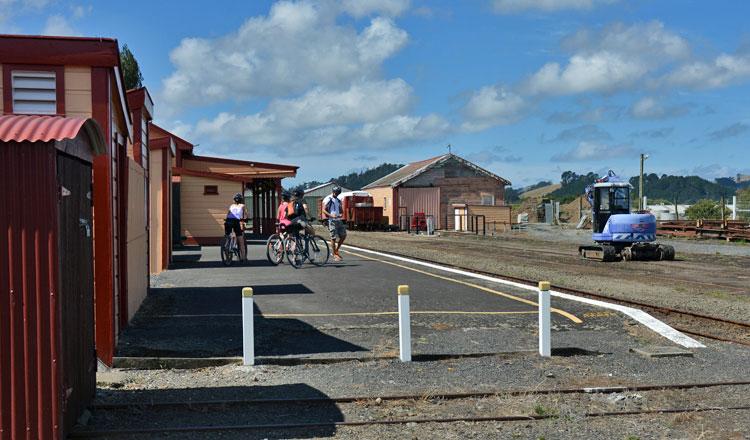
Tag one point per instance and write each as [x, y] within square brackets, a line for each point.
[425, 200]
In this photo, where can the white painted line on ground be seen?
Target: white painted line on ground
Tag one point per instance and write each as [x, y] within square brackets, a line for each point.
[636, 314]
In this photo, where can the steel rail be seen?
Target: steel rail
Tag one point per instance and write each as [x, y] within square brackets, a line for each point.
[423, 396]
[336, 424]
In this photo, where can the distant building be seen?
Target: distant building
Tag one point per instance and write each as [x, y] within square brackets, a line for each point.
[449, 188]
[742, 178]
[315, 194]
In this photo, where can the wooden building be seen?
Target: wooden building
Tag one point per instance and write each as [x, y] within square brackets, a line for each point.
[192, 209]
[142, 109]
[81, 77]
[208, 184]
[449, 188]
[162, 147]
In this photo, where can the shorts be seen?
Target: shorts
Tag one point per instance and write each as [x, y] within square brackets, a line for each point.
[299, 224]
[337, 228]
[232, 224]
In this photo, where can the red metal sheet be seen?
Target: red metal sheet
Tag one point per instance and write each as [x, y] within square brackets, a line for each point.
[425, 200]
[30, 394]
[32, 128]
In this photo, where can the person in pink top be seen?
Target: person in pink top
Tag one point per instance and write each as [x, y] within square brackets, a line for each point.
[284, 222]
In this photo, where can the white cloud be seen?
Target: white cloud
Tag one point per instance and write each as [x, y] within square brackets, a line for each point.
[586, 151]
[80, 11]
[362, 102]
[258, 131]
[599, 72]
[367, 114]
[298, 45]
[58, 25]
[722, 71]
[362, 8]
[615, 59]
[650, 108]
[492, 105]
[512, 6]
[734, 130]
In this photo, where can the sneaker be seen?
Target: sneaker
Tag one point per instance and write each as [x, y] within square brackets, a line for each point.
[336, 257]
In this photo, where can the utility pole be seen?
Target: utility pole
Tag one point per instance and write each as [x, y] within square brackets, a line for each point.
[640, 184]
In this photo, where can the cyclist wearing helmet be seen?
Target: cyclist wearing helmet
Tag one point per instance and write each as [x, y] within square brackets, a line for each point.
[235, 222]
[333, 211]
[282, 211]
[297, 212]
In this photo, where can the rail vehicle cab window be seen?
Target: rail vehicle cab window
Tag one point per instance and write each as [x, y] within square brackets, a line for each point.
[620, 199]
[603, 198]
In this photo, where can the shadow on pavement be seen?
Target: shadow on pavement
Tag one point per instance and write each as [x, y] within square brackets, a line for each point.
[189, 412]
[206, 322]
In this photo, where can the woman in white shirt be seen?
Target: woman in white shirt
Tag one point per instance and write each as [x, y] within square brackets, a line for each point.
[235, 221]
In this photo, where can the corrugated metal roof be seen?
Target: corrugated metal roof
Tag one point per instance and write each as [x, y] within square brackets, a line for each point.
[413, 170]
[400, 174]
[32, 128]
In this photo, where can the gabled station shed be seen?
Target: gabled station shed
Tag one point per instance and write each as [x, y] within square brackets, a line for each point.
[449, 188]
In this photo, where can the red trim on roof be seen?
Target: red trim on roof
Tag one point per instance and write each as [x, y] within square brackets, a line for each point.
[37, 49]
[242, 162]
[177, 140]
[220, 176]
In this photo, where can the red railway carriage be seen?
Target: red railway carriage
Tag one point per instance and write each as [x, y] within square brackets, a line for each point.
[359, 210]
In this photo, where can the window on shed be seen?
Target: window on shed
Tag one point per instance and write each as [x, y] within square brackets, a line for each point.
[210, 190]
[34, 92]
[487, 199]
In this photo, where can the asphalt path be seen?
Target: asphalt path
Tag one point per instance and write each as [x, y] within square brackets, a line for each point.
[341, 309]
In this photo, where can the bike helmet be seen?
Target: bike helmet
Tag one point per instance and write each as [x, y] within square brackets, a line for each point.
[238, 198]
[336, 190]
[298, 193]
[285, 196]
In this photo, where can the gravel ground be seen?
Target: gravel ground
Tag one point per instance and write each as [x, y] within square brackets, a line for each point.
[567, 416]
[681, 245]
[595, 353]
[717, 285]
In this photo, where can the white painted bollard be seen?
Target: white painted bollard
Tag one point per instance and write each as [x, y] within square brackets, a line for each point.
[248, 342]
[545, 348]
[404, 324]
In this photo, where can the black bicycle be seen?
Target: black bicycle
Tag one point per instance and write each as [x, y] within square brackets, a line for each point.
[301, 247]
[230, 248]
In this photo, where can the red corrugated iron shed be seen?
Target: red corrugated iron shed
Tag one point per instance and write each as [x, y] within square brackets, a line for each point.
[47, 361]
[24, 128]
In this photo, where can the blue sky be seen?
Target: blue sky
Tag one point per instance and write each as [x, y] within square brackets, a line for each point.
[527, 89]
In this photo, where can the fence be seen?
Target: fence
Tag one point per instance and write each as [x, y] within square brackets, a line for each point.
[465, 223]
[740, 208]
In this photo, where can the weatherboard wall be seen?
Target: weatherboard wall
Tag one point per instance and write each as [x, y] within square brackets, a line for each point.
[202, 215]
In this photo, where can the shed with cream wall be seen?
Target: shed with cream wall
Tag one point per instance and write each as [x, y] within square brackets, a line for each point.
[202, 215]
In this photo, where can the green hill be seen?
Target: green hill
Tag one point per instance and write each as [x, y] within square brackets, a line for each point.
[687, 189]
[355, 180]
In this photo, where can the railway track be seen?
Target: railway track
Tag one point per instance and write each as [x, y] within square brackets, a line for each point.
[692, 323]
[284, 414]
[535, 252]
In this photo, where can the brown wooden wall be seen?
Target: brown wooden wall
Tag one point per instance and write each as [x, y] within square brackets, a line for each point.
[202, 216]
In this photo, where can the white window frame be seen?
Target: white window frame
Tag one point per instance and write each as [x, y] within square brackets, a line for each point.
[482, 198]
[26, 91]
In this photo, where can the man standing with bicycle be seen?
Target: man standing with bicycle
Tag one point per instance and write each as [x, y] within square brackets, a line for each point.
[333, 211]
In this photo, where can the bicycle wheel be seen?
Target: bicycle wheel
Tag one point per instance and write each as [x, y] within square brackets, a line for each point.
[318, 251]
[226, 251]
[275, 249]
[296, 254]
